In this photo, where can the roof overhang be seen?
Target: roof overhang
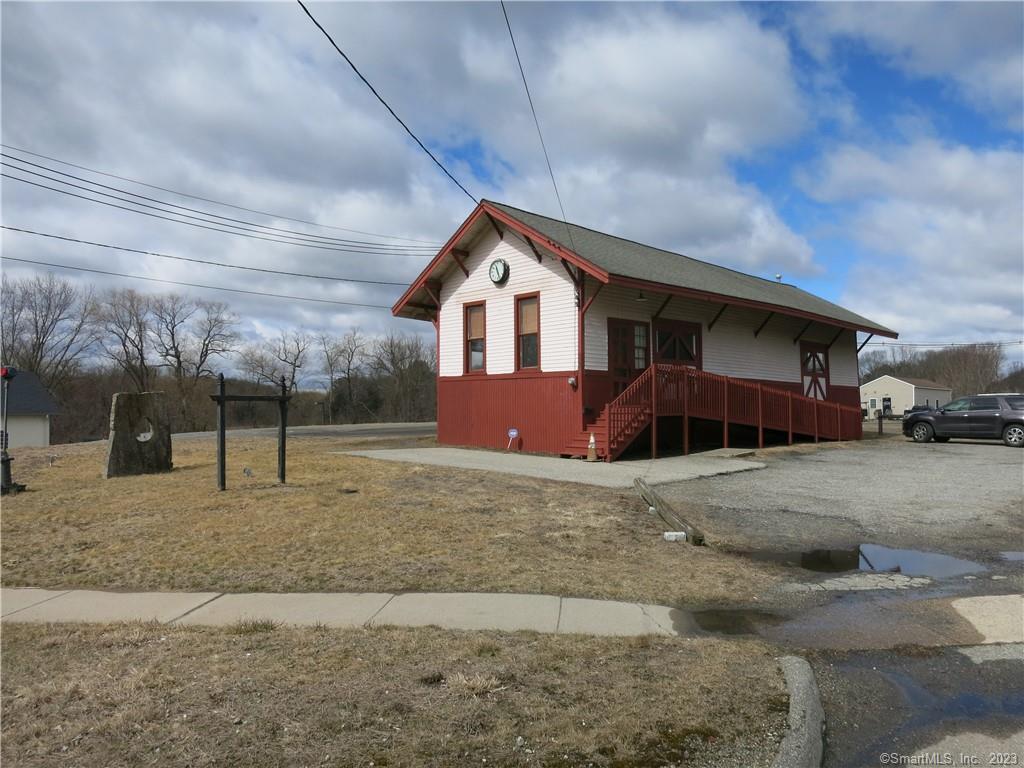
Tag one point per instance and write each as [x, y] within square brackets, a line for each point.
[421, 300]
[718, 298]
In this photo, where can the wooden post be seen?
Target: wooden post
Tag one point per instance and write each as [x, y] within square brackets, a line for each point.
[686, 412]
[221, 435]
[790, 418]
[760, 416]
[725, 415]
[814, 401]
[839, 423]
[282, 431]
[654, 411]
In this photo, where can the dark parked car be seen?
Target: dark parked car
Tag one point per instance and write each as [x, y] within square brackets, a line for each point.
[915, 409]
[982, 417]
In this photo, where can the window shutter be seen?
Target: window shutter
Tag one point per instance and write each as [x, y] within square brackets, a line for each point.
[528, 316]
[475, 321]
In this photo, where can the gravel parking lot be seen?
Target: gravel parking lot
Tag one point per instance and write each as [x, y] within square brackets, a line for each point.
[959, 496]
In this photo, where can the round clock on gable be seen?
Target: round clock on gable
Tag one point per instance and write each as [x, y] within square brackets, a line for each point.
[498, 271]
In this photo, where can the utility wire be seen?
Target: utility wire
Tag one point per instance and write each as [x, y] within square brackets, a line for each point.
[536, 122]
[191, 224]
[198, 261]
[386, 105]
[299, 235]
[194, 285]
[944, 343]
[299, 238]
[215, 202]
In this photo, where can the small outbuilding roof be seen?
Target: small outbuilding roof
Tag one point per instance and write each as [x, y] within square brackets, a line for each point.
[921, 383]
[28, 397]
[614, 259]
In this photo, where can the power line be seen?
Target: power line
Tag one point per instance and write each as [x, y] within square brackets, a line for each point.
[199, 261]
[536, 122]
[194, 285]
[937, 344]
[386, 105]
[191, 224]
[299, 240]
[300, 235]
[215, 202]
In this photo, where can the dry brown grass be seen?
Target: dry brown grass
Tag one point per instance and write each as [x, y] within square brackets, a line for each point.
[127, 695]
[408, 527]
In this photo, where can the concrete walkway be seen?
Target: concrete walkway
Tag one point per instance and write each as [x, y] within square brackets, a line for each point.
[938, 622]
[465, 610]
[618, 474]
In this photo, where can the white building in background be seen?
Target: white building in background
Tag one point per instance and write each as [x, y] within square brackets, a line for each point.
[28, 408]
[893, 395]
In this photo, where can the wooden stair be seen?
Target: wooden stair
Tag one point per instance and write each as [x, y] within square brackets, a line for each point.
[579, 444]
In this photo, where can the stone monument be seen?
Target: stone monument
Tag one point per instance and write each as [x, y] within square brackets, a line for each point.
[140, 435]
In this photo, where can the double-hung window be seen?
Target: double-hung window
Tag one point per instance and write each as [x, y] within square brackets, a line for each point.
[476, 338]
[527, 332]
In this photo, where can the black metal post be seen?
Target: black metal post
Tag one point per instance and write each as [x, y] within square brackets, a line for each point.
[282, 430]
[221, 434]
[879, 422]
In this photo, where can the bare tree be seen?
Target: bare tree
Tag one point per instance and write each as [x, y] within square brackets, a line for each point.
[126, 318]
[330, 358]
[405, 367]
[187, 335]
[47, 326]
[291, 350]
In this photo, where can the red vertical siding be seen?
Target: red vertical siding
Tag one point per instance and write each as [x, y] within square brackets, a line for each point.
[480, 410]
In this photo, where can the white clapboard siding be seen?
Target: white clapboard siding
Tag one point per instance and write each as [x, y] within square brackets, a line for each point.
[730, 348]
[557, 306]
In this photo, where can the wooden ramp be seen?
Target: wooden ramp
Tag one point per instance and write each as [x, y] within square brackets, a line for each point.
[675, 390]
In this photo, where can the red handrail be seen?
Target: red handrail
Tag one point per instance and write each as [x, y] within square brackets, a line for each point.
[684, 390]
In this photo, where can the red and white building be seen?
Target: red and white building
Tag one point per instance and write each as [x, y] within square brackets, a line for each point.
[559, 332]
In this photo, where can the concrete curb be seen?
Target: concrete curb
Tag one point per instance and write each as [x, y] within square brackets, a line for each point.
[802, 746]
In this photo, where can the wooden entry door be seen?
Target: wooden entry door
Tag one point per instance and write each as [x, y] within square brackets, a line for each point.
[814, 370]
[628, 352]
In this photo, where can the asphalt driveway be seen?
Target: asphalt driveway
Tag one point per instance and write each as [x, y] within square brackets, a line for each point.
[957, 496]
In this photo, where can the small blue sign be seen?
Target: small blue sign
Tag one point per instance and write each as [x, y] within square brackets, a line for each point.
[513, 433]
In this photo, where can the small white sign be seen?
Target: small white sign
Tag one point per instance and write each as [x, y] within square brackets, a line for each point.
[513, 433]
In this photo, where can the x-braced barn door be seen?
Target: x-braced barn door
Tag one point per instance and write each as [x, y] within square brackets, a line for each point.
[814, 370]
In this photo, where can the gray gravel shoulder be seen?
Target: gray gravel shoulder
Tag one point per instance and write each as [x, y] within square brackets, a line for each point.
[954, 496]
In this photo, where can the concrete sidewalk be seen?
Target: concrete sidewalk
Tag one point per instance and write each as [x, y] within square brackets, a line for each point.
[618, 474]
[465, 610]
[937, 622]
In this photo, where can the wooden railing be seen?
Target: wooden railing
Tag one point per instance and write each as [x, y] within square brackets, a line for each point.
[631, 408]
[673, 390]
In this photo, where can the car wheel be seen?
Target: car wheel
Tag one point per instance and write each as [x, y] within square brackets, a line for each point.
[941, 439]
[922, 432]
[1013, 435]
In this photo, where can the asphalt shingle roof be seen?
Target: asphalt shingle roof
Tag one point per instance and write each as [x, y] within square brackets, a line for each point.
[627, 258]
[28, 397]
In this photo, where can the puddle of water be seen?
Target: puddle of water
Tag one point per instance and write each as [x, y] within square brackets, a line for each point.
[734, 622]
[872, 557]
[1012, 555]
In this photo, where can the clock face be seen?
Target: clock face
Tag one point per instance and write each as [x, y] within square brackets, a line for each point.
[499, 271]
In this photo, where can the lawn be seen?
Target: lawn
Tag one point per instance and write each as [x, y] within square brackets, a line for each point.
[344, 523]
[261, 695]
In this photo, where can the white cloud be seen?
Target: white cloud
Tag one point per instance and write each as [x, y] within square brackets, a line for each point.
[943, 233]
[643, 109]
[974, 46]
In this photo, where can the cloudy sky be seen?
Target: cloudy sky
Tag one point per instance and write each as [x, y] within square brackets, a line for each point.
[870, 153]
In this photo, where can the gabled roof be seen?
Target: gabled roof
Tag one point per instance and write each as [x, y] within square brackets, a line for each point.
[614, 259]
[28, 397]
[914, 382]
